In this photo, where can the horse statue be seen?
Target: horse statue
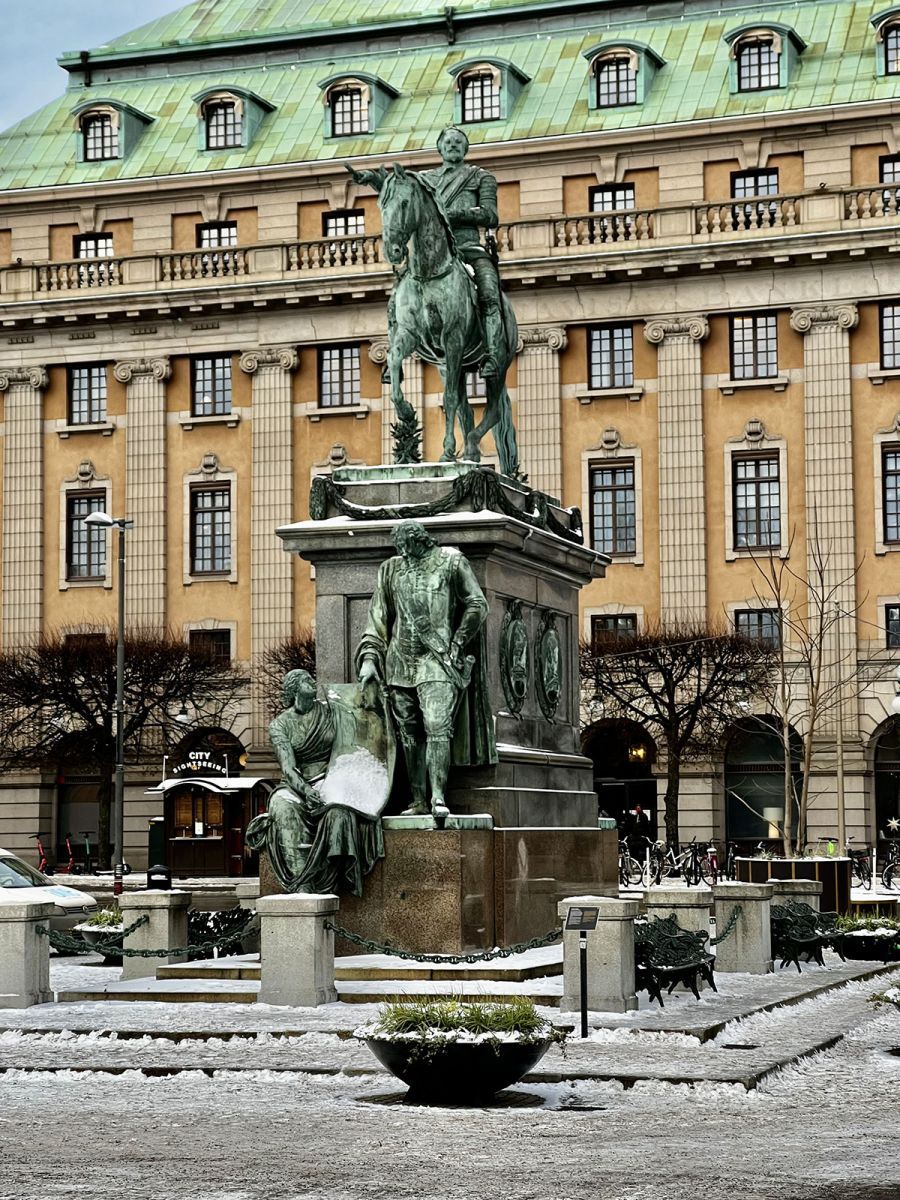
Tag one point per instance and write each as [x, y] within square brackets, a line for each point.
[434, 312]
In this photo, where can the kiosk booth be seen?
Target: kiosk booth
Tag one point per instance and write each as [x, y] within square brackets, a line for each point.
[208, 804]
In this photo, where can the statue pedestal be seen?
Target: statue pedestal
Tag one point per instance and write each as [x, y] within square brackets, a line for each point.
[525, 551]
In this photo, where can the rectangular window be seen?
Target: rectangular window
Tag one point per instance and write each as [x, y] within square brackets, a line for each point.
[224, 128]
[351, 223]
[211, 530]
[479, 96]
[338, 376]
[476, 387]
[613, 508]
[611, 628]
[612, 198]
[890, 335]
[85, 544]
[616, 82]
[94, 248]
[759, 625]
[211, 390]
[892, 50]
[349, 111]
[212, 643]
[757, 64]
[101, 138]
[892, 626]
[890, 474]
[610, 357]
[755, 183]
[889, 172]
[757, 502]
[754, 347]
[87, 395]
[215, 234]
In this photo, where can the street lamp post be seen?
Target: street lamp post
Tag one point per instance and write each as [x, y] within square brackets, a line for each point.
[104, 521]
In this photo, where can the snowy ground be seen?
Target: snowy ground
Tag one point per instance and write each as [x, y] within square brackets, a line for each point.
[252, 1119]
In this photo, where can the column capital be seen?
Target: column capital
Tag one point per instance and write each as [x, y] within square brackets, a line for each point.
[128, 368]
[694, 326]
[378, 352]
[285, 358]
[35, 377]
[844, 316]
[538, 336]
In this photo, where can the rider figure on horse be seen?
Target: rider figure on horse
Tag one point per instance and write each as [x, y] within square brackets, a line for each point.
[468, 195]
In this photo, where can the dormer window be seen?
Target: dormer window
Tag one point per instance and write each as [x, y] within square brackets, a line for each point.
[479, 95]
[107, 129]
[224, 125]
[757, 65]
[228, 120]
[892, 50]
[616, 77]
[762, 57]
[101, 137]
[620, 73]
[486, 89]
[354, 104]
[349, 111]
[887, 41]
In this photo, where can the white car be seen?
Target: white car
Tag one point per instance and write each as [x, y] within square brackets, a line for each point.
[21, 884]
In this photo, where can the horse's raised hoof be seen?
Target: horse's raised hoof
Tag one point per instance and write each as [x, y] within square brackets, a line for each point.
[489, 369]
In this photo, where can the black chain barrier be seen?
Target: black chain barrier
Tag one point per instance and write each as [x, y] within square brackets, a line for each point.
[729, 928]
[453, 959]
[113, 947]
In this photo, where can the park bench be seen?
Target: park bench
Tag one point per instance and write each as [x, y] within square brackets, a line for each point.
[666, 955]
[797, 929]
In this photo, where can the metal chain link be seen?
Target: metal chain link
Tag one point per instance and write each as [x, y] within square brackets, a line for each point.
[729, 928]
[452, 959]
[59, 941]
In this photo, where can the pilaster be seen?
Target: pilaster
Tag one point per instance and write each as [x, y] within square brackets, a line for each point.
[828, 449]
[145, 488]
[271, 572]
[23, 504]
[413, 391]
[538, 395]
[682, 499]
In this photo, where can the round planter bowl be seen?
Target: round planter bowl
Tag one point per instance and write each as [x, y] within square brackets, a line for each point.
[101, 933]
[460, 1072]
[871, 947]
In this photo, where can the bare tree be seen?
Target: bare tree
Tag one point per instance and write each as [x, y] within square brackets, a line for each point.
[684, 683]
[297, 652]
[57, 702]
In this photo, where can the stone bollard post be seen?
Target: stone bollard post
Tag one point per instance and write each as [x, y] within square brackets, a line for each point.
[691, 907]
[610, 956]
[24, 955]
[804, 891]
[297, 951]
[167, 927]
[247, 892]
[748, 948]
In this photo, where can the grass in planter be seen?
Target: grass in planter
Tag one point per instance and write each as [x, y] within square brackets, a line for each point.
[853, 924]
[106, 917]
[434, 1018]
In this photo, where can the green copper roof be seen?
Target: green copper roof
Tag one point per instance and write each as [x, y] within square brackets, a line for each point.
[838, 66]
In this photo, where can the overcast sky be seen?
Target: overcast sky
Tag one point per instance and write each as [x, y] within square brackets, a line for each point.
[36, 32]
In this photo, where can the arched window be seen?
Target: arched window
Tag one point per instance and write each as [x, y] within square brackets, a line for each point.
[224, 124]
[479, 93]
[754, 781]
[616, 76]
[100, 134]
[892, 49]
[758, 65]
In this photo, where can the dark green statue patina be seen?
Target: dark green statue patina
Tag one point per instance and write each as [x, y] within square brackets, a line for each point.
[447, 305]
[424, 642]
[322, 829]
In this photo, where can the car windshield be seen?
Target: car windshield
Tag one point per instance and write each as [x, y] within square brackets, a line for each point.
[16, 874]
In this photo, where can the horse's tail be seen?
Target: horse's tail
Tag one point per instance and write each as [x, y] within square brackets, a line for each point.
[505, 438]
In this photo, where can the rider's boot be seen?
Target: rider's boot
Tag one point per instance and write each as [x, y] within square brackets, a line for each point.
[438, 757]
[493, 335]
[416, 769]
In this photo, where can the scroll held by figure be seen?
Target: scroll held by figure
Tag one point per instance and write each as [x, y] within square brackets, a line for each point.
[424, 643]
[447, 305]
[322, 829]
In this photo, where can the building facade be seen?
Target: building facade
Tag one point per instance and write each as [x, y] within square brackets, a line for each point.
[698, 228]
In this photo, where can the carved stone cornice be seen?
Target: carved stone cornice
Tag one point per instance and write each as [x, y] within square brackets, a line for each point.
[696, 327]
[378, 352]
[33, 377]
[844, 316]
[553, 337]
[129, 368]
[285, 358]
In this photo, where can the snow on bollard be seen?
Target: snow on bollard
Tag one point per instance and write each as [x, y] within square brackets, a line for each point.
[166, 927]
[24, 955]
[748, 948]
[297, 950]
[610, 956]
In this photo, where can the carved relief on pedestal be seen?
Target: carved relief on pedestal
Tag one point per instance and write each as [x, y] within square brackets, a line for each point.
[514, 657]
[548, 665]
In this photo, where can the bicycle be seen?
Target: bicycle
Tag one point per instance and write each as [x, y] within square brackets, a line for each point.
[860, 867]
[43, 866]
[891, 869]
[631, 873]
